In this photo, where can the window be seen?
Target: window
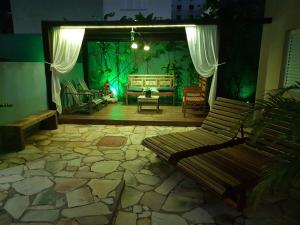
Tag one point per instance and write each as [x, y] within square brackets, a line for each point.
[191, 17]
[292, 65]
[178, 17]
[191, 7]
[179, 7]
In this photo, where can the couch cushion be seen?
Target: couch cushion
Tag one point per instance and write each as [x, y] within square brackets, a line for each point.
[135, 89]
[165, 89]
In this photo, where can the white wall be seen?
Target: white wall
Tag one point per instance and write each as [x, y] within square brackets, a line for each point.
[28, 14]
[286, 17]
[129, 8]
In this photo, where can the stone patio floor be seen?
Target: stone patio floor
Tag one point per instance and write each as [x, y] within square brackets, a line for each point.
[64, 177]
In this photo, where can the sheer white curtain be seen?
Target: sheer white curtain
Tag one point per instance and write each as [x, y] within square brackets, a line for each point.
[203, 46]
[66, 46]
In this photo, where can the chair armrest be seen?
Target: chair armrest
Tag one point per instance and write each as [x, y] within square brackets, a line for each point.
[206, 148]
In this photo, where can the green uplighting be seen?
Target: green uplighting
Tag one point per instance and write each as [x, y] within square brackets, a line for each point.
[113, 61]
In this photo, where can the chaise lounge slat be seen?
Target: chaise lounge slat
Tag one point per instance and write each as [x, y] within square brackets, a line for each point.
[219, 130]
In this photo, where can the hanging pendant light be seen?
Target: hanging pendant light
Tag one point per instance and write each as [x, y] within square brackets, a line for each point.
[146, 47]
[134, 44]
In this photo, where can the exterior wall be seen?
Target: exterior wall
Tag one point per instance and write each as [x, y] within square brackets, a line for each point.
[129, 8]
[286, 17]
[22, 76]
[185, 12]
[28, 14]
[23, 84]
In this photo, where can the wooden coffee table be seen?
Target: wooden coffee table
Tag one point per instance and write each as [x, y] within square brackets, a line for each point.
[142, 100]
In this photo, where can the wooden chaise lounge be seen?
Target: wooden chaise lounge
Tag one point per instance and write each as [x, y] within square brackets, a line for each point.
[219, 130]
[231, 172]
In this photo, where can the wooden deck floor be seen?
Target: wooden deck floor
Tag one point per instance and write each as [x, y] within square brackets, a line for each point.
[127, 115]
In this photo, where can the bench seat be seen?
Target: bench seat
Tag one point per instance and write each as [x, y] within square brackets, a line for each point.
[164, 84]
[12, 136]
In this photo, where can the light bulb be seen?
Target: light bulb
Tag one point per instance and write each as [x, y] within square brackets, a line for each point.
[146, 47]
[134, 45]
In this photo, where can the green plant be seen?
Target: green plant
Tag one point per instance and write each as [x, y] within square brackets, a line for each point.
[284, 170]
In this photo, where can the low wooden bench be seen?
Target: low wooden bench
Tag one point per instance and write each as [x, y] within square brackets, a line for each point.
[219, 130]
[12, 136]
[165, 85]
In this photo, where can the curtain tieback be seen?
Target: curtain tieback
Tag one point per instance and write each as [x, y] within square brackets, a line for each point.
[51, 65]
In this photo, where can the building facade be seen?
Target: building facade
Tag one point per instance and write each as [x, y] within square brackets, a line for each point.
[130, 8]
[186, 9]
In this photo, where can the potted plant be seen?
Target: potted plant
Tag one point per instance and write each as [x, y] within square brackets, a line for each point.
[283, 172]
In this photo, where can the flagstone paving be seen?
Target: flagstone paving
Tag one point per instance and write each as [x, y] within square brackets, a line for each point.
[65, 177]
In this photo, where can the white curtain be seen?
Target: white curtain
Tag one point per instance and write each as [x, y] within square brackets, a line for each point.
[203, 46]
[66, 46]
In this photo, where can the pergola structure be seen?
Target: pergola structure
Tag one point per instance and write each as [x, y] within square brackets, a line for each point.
[119, 31]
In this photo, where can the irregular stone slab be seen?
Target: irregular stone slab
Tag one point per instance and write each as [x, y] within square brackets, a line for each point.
[65, 174]
[130, 179]
[153, 200]
[67, 221]
[78, 197]
[83, 151]
[10, 179]
[163, 219]
[31, 173]
[32, 185]
[144, 221]
[177, 203]
[74, 162]
[68, 184]
[3, 196]
[198, 215]
[5, 219]
[16, 206]
[16, 170]
[114, 156]
[4, 187]
[55, 166]
[105, 166]
[92, 159]
[71, 156]
[38, 164]
[95, 209]
[41, 215]
[124, 218]
[88, 174]
[47, 197]
[102, 188]
[93, 220]
[31, 156]
[133, 166]
[169, 183]
[136, 139]
[147, 179]
[30, 224]
[131, 154]
[115, 176]
[130, 197]
[137, 209]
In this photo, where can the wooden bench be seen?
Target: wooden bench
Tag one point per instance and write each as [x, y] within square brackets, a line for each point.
[12, 136]
[219, 130]
[165, 85]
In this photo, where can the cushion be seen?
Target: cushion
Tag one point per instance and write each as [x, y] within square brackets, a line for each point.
[135, 89]
[165, 89]
[153, 89]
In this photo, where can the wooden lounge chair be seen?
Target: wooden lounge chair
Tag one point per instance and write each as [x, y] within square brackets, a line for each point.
[84, 88]
[219, 130]
[79, 101]
[231, 172]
